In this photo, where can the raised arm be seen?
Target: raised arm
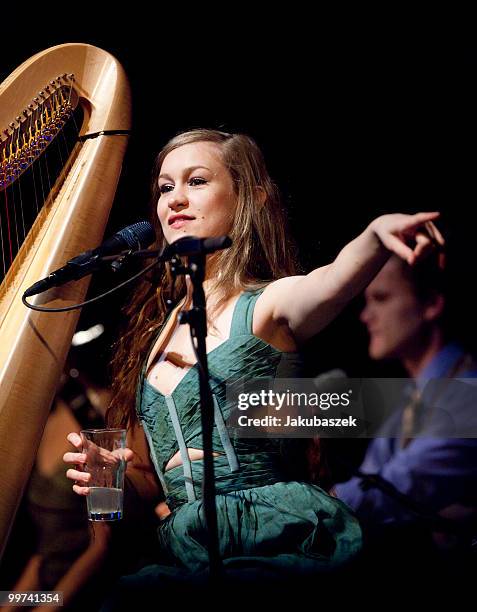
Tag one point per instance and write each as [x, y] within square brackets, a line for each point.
[306, 304]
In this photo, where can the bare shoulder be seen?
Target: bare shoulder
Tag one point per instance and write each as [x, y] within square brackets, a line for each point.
[266, 325]
[279, 289]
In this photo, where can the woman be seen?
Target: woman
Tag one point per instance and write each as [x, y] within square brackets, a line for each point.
[208, 183]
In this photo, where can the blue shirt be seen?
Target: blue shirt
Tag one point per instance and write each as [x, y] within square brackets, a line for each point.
[436, 470]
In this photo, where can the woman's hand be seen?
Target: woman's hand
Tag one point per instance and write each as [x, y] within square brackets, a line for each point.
[320, 295]
[78, 459]
[394, 230]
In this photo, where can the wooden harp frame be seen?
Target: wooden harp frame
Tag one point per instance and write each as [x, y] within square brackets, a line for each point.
[34, 345]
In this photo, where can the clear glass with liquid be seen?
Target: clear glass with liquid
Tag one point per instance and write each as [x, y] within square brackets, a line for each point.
[104, 504]
[104, 450]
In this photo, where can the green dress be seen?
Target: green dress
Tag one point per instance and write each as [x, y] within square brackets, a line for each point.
[267, 523]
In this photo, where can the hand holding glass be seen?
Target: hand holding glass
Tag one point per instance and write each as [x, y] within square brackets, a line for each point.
[105, 461]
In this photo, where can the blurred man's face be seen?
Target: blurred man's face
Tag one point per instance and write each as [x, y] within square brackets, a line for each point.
[393, 314]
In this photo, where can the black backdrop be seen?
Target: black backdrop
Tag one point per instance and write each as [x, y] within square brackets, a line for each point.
[350, 128]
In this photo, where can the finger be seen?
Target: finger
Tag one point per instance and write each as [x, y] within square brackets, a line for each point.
[410, 222]
[75, 439]
[426, 216]
[81, 477]
[423, 239]
[80, 490]
[124, 453]
[424, 245]
[77, 458]
[398, 247]
[435, 233]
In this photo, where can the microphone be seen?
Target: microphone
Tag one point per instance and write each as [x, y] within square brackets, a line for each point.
[191, 245]
[137, 236]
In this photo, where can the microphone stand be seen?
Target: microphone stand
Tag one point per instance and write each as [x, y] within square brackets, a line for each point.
[196, 317]
[196, 249]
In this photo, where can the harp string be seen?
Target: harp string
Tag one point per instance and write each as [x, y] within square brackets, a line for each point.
[17, 185]
[14, 207]
[10, 249]
[3, 247]
[24, 198]
[21, 209]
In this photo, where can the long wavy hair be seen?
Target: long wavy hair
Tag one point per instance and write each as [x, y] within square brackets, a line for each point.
[261, 251]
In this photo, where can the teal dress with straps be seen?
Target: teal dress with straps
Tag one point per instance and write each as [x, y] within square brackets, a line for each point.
[266, 521]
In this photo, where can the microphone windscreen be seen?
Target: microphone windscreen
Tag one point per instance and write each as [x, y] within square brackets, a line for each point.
[139, 235]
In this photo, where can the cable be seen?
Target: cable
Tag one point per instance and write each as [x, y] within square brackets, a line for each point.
[92, 300]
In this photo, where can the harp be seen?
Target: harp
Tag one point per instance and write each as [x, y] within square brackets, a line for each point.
[36, 102]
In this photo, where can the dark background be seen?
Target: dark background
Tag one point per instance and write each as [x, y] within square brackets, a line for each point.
[351, 127]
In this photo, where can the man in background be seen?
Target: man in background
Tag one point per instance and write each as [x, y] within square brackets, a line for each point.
[419, 454]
